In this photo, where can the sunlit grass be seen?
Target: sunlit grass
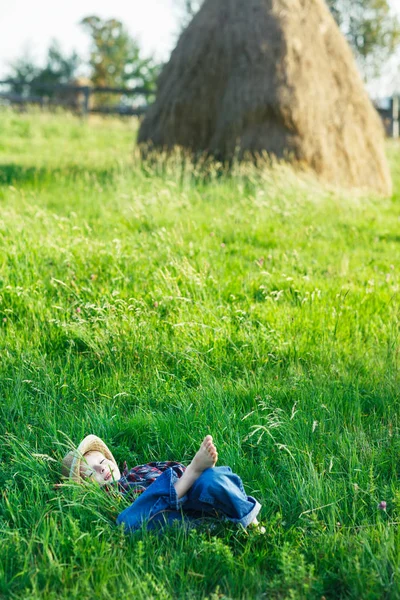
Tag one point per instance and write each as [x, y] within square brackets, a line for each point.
[151, 304]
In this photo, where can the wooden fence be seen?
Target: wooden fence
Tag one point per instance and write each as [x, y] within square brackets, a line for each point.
[390, 116]
[76, 97]
[80, 99]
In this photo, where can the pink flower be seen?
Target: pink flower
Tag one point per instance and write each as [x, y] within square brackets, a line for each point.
[382, 505]
[78, 310]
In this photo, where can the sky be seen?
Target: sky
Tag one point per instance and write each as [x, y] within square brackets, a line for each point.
[28, 26]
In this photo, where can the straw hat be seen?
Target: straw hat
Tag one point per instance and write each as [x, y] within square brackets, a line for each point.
[71, 463]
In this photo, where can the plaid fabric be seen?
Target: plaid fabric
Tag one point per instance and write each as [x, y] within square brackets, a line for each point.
[136, 480]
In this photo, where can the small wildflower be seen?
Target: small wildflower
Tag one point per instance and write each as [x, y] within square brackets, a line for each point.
[156, 304]
[260, 261]
[78, 310]
[382, 505]
[93, 276]
[222, 245]
[4, 319]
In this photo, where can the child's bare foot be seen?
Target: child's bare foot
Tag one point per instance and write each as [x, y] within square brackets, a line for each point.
[205, 458]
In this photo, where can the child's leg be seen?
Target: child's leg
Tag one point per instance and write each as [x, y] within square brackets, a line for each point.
[168, 491]
[221, 490]
[205, 458]
[202, 488]
[159, 496]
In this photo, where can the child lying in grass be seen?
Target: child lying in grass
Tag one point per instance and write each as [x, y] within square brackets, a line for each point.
[166, 491]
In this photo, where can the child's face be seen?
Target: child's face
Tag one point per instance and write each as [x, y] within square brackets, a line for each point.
[97, 467]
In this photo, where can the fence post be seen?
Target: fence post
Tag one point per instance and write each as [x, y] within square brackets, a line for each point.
[395, 117]
[86, 96]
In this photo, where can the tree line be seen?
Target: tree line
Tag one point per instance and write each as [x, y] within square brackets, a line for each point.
[116, 59]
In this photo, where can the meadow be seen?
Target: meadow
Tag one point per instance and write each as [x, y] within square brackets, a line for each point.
[152, 304]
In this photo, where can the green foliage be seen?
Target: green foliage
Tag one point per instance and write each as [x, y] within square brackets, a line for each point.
[371, 28]
[59, 69]
[115, 58]
[115, 61]
[151, 305]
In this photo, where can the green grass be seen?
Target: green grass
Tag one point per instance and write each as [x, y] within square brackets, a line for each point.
[151, 305]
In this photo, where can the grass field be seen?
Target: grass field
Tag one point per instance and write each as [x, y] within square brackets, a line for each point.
[150, 305]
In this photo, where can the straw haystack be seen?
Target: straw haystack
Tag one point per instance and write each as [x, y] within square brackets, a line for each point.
[275, 76]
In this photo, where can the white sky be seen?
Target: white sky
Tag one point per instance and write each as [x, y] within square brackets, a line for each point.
[30, 25]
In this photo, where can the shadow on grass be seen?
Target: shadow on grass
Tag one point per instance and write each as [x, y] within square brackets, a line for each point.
[18, 175]
[183, 172]
[390, 237]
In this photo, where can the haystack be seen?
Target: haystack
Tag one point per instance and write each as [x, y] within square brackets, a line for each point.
[249, 76]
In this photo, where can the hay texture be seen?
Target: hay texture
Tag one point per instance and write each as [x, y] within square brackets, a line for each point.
[250, 76]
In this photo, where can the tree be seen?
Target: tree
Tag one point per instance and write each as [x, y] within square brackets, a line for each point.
[369, 26]
[23, 71]
[116, 59]
[59, 69]
[371, 29]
